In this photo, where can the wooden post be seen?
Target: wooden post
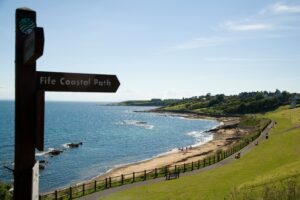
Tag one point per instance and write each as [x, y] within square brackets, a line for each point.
[70, 192]
[133, 177]
[145, 175]
[175, 168]
[122, 179]
[55, 195]
[209, 160]
[110, 182]
[25, 107]
[95, 186]
[192, 166]
[166, 170]
[83, 189]
[155, 172]
[106, 183]
[183, 167]
[198, 164]
[204, 162]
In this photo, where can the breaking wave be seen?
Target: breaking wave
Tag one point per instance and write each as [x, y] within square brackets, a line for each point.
[200, 136]
[141, 124]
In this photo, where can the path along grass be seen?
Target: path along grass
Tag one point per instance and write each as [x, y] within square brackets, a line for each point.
[271, 161]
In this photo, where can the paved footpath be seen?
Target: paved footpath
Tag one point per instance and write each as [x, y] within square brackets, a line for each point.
[97, 195]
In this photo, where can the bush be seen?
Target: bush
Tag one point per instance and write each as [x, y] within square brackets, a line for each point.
[4, 192]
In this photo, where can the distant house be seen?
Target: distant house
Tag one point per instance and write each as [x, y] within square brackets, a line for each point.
[294, 101]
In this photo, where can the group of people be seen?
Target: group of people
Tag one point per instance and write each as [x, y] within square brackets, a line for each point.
[185, 148]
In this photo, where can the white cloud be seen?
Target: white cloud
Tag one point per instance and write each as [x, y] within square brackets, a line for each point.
[240, 59]
[202, 42]
[269, 18]
[280, 8]
[248, 26]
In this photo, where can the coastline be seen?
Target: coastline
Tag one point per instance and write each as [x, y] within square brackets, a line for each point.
[224, 135]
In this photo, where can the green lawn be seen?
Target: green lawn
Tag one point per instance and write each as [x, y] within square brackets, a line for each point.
[268, 163]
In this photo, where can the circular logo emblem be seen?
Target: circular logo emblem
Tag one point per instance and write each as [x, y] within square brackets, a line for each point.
[26, 25]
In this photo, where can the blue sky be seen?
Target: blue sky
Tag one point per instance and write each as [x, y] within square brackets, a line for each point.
[163, 49]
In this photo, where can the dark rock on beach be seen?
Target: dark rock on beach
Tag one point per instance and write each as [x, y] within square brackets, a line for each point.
[43, 161]
[41, 166]
[55, 152]
[74, 145]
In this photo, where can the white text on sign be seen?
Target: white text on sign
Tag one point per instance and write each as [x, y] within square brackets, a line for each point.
[48, 80]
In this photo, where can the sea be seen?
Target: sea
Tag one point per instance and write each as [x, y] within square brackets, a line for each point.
[111, 136]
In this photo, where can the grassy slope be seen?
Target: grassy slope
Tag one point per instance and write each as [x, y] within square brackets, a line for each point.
[271, 158]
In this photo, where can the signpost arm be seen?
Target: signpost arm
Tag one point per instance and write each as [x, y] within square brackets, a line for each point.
[25, 97]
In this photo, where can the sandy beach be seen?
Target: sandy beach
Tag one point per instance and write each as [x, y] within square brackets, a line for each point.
[223, 136]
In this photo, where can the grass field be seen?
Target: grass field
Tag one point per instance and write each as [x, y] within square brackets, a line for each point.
[273, 165]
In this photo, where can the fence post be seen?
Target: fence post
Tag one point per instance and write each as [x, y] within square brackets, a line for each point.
[145, 175]
[40, 197]
[175, 168]
[95, 186]
[198, 164]
[55, 193]
[155, 172]
[183, 167]
[70, 191]
[166, 170]
[192, 165]
[204, 162]
[214, 158]
[209, 160]
[122, 179]
[110, 182]
[105, 182]
[133, 177]
[83, 189]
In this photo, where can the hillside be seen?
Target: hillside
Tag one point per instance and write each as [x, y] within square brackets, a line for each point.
[269, 171]
[220, 104]
[243, 103]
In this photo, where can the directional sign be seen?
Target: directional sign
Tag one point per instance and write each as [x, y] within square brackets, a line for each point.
[30, 91]
[74, 82]
[33, 46]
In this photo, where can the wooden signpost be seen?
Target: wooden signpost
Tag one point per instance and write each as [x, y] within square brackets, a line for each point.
[30, 88]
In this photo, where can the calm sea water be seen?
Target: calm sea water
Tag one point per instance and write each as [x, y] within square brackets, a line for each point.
[111, 136]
